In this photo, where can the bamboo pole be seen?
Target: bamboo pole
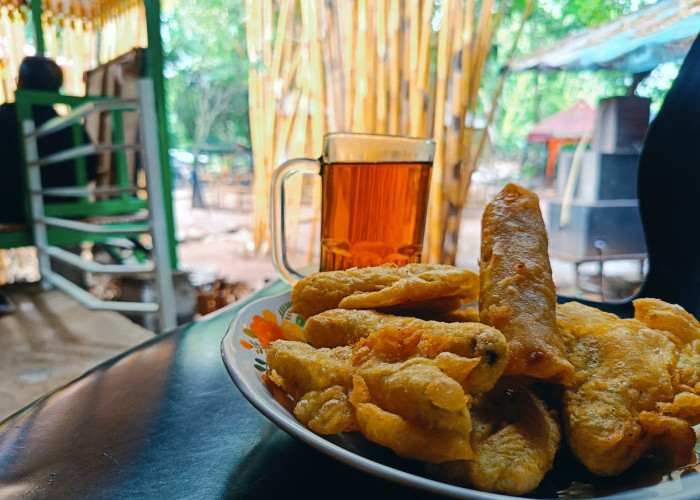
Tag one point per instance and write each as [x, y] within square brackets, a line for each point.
[443, 59]
[420, 76]
[257, 119]
[394, 66]
[370, 116]
[358, 115]
[331, 56]
[382, 67]
[413, 36]
[471, 154]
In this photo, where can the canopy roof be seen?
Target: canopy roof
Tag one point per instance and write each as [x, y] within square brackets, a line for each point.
[635, 43]
[570, 123]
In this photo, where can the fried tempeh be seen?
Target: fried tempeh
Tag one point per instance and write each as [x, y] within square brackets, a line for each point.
[405, 337]
[413, 286]
[517, 294]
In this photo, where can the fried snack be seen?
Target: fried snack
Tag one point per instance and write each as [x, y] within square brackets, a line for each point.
[415, 397]
[624, 370]
[326, 412]
[685, 405]
[671, 318]
[398, 338]
[297, 368]
[514, 438]
[409, 440]
[517, 294]
[684, 331]
[420, 287]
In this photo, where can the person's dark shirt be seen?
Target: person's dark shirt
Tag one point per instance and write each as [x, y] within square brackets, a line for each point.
[12, 187]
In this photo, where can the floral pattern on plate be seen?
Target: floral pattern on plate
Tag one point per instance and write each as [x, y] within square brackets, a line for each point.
[282, 324]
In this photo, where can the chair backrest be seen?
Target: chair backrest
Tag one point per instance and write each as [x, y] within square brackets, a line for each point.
[668, 188]
[121, 204]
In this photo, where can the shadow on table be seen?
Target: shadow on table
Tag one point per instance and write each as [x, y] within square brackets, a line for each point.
[267, 472]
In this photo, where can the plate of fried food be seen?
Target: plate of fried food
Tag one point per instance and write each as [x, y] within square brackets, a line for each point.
[482, 379]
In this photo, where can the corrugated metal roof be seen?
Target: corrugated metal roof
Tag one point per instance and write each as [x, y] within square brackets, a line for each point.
[636, 42]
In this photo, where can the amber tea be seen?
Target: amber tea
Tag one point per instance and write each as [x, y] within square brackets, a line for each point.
[373, 213]
[374, 201]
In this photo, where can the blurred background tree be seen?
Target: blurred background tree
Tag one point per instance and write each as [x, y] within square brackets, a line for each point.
[531, 96]
[206, 72]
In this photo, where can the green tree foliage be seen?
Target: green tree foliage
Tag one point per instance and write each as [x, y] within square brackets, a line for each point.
[530, 96]
[206, 72]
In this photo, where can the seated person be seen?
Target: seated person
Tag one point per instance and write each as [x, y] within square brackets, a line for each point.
[35, 73]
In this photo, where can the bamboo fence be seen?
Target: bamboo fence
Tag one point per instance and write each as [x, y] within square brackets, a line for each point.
[402, 67]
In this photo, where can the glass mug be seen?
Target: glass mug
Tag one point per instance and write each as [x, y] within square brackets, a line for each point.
[374, 201]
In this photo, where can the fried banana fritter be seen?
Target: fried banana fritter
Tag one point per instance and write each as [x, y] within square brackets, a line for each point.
[517, 294]
[399, 338]
[684, 330]
[414, 396]
[625, 373]
[326, 412]
[415, 286]
[514, 438]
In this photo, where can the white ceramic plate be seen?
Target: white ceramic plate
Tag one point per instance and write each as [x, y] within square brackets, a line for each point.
[244, 349]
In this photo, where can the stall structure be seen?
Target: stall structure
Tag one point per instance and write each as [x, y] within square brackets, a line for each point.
[595, 215]
[561, 129]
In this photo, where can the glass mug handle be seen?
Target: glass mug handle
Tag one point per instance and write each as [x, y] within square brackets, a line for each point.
[279, 244]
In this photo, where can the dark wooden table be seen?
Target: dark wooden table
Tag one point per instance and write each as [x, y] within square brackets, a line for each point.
[164, 420]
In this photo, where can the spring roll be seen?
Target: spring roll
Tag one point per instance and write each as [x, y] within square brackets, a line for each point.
[517, 294]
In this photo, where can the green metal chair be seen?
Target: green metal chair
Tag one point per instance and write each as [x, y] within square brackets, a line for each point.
[95, 214]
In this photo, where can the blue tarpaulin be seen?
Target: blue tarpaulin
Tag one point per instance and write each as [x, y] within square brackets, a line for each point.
[634, 43]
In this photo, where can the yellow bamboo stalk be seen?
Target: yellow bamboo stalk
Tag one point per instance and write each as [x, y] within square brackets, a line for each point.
[370, 61]
[442, 70]
[394, 65]
[499, 87]
[455, 133]
[282, 26]
[257, 120]
[284, 121]
[346, 19]
[317, 98]
[420, 77]
[358, 115]
[413, 35]
[296, 150]
[405, 68]
[381, 126]
[481, 49]
[470, 155]
[332, 64]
